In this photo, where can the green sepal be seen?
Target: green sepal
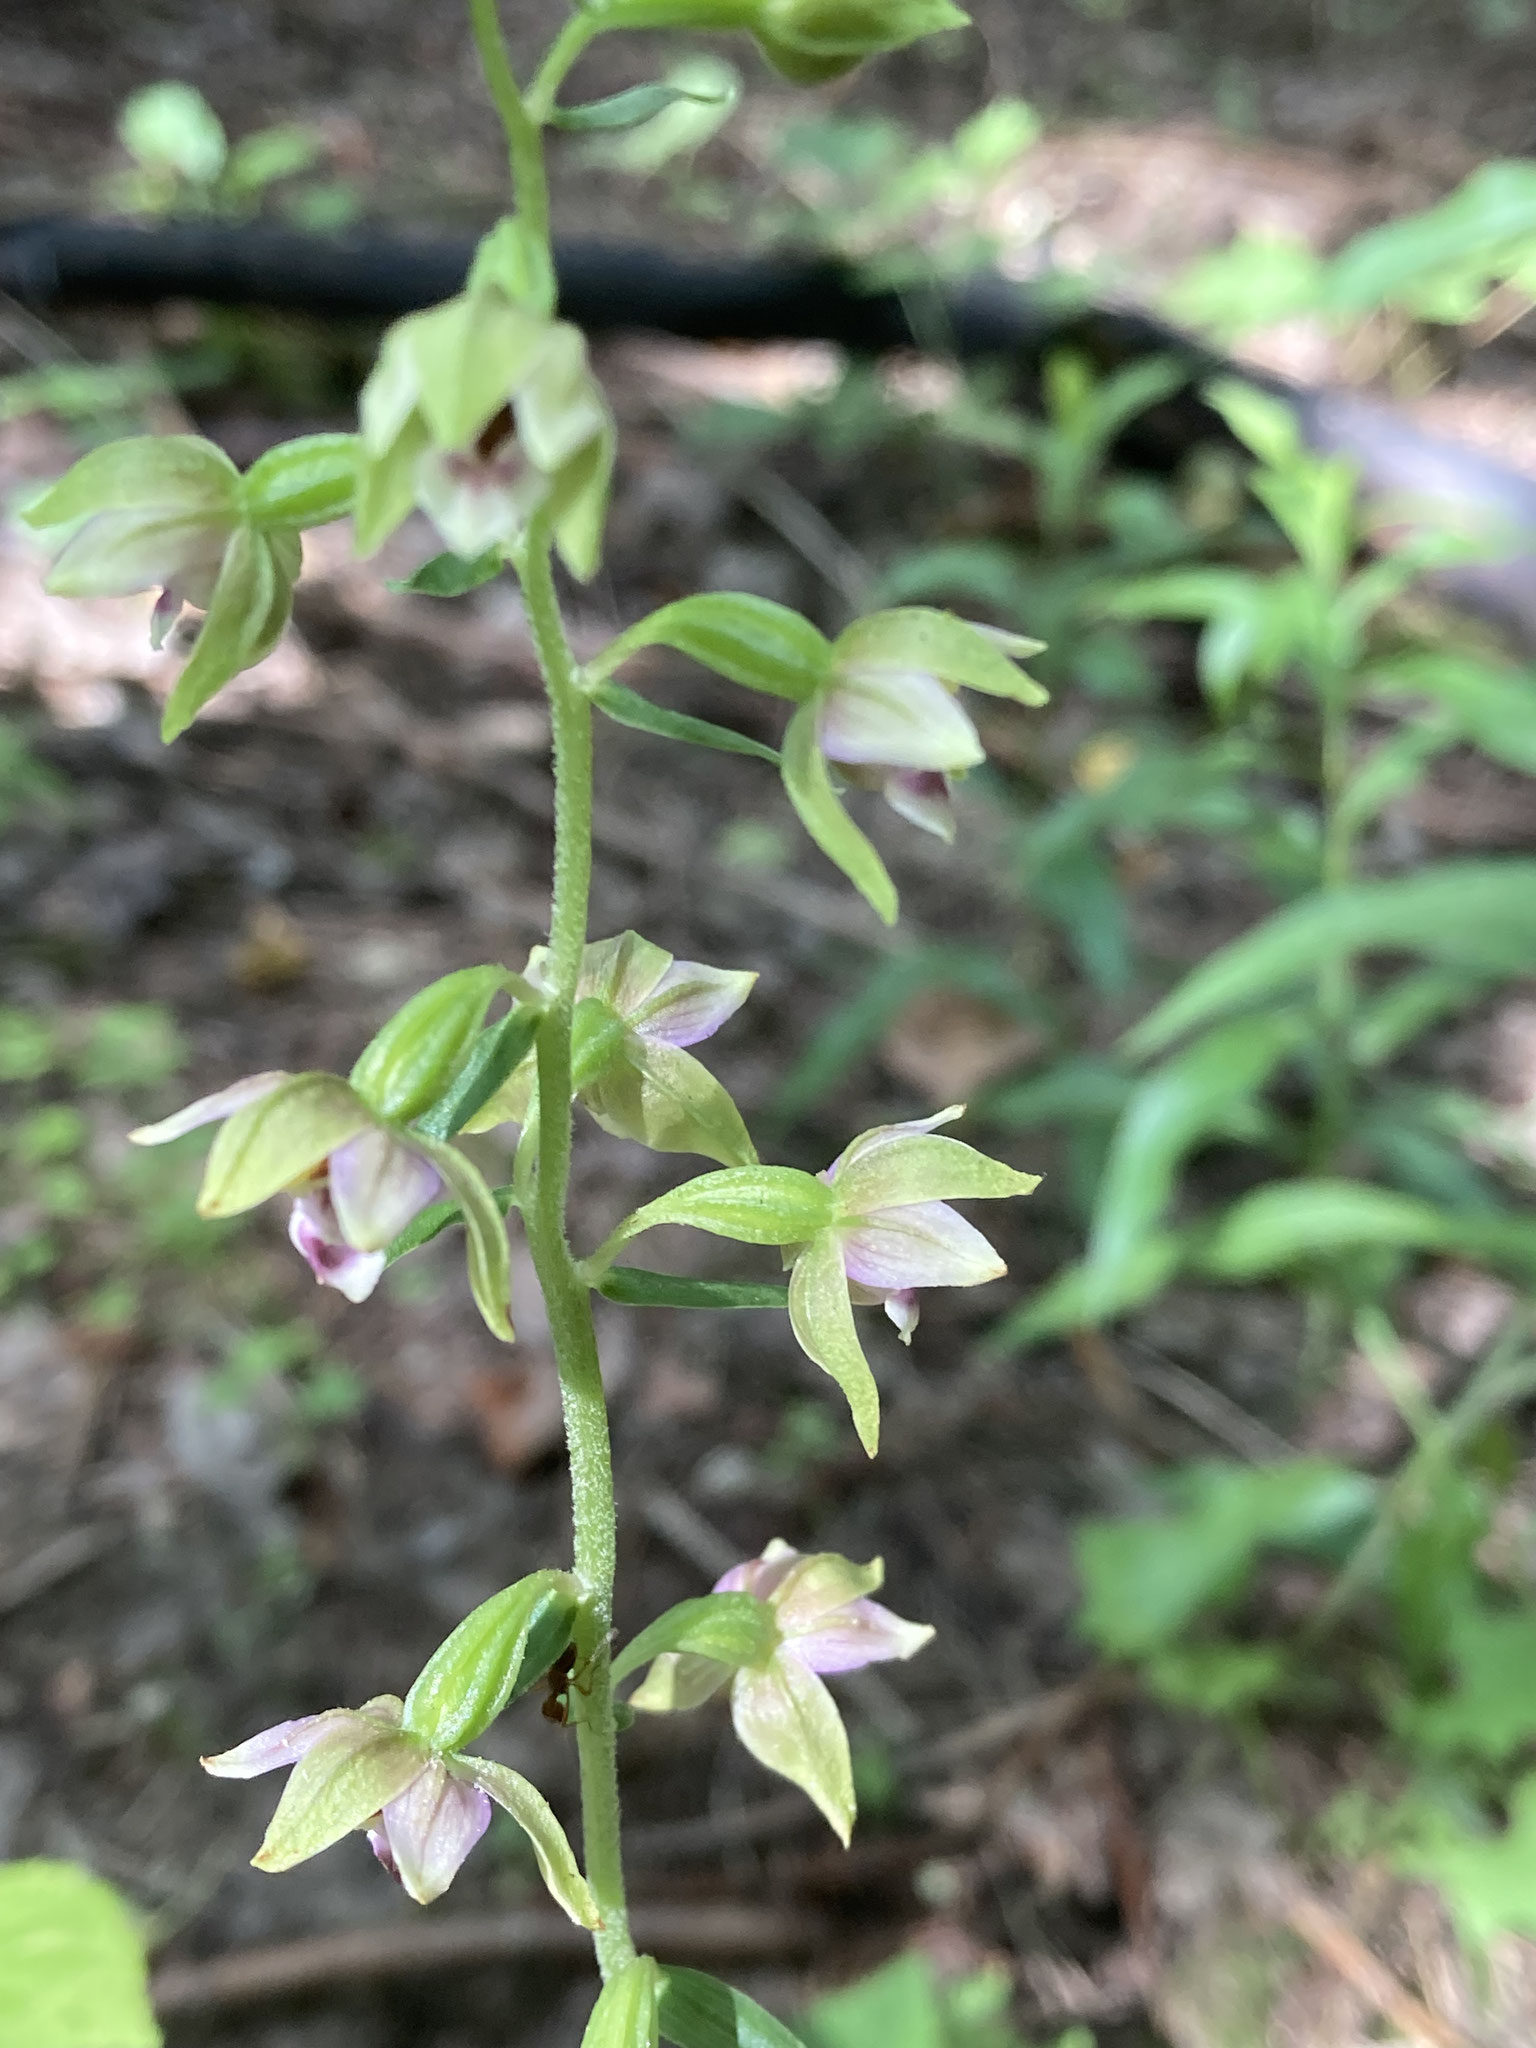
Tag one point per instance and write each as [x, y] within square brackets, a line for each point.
[441, 1216]
[490, 1262]
[752, 1204]
[499, 1050]
[273, 1142]
[409, 1063]
[307, 482]
[926, 1168]
[493, 1656]
[821, 1315]
[937, 643]
[450, 575]
[536, 1817]
[785, 1717]
[72, 1970]
[748, 640]
[729, 1628]
[625, 2015]
[662, 1097]
[626, 109]
[336, 1786]
[185, 474]
[627, 707]
[808, 785]
[701, 2012]
[246, 615]
[638, 1287]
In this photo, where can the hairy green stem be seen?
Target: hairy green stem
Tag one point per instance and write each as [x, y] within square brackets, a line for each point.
[525, 149]
[565, 1293]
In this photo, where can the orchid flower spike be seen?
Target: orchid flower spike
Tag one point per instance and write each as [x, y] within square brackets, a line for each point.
[638, 1009]
[889, 716]
[357, 1179]
[826, 1623]
[422, 1809]
[892, 1233]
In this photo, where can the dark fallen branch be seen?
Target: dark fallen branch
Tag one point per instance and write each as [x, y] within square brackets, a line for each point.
[610, 287]
[326, 1962]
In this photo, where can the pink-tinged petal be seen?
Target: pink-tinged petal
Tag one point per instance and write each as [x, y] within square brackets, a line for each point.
[430, 1829]
[862, 1632]
[691, 1002]
[377, 1185]
[922, 1244]
[887, 1134]
[211, 1109]
[315, 1234]
[903, 1311]
[166, 611]
[897, 718]
[760, 1576]
[275, 1747]
[921, 796]
[378, 1842]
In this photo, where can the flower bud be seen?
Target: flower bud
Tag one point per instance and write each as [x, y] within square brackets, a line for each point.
[495, 1653]
[812, 41]
[408, 1064]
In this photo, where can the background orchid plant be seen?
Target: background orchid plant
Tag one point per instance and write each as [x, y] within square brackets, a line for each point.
[484, 414]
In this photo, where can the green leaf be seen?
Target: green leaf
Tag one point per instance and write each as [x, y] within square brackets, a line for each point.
[627, 707]
[1490, 1711]
[701, 2012]
[752, 1204]
[451, 575]
[821, 1315]
[1076, 1298]
[625, 2015]
[307, 482]
[1493, 704]
[414, 1058]
[441, 1216]
[1488, 1881]
[897, 2006]
[1278, 1225]
[729, 1628]
[640, 1288]
[72, 1971]
[490, 1263]
[1476, 915]
[495, 1054]
[1183, 1101]
[808, 785]
[491, 1658]
[747, 639]
[269, 1144]
[1145, 1578]
[628, 109]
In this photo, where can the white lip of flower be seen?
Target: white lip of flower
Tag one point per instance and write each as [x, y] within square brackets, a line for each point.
[903, 732]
